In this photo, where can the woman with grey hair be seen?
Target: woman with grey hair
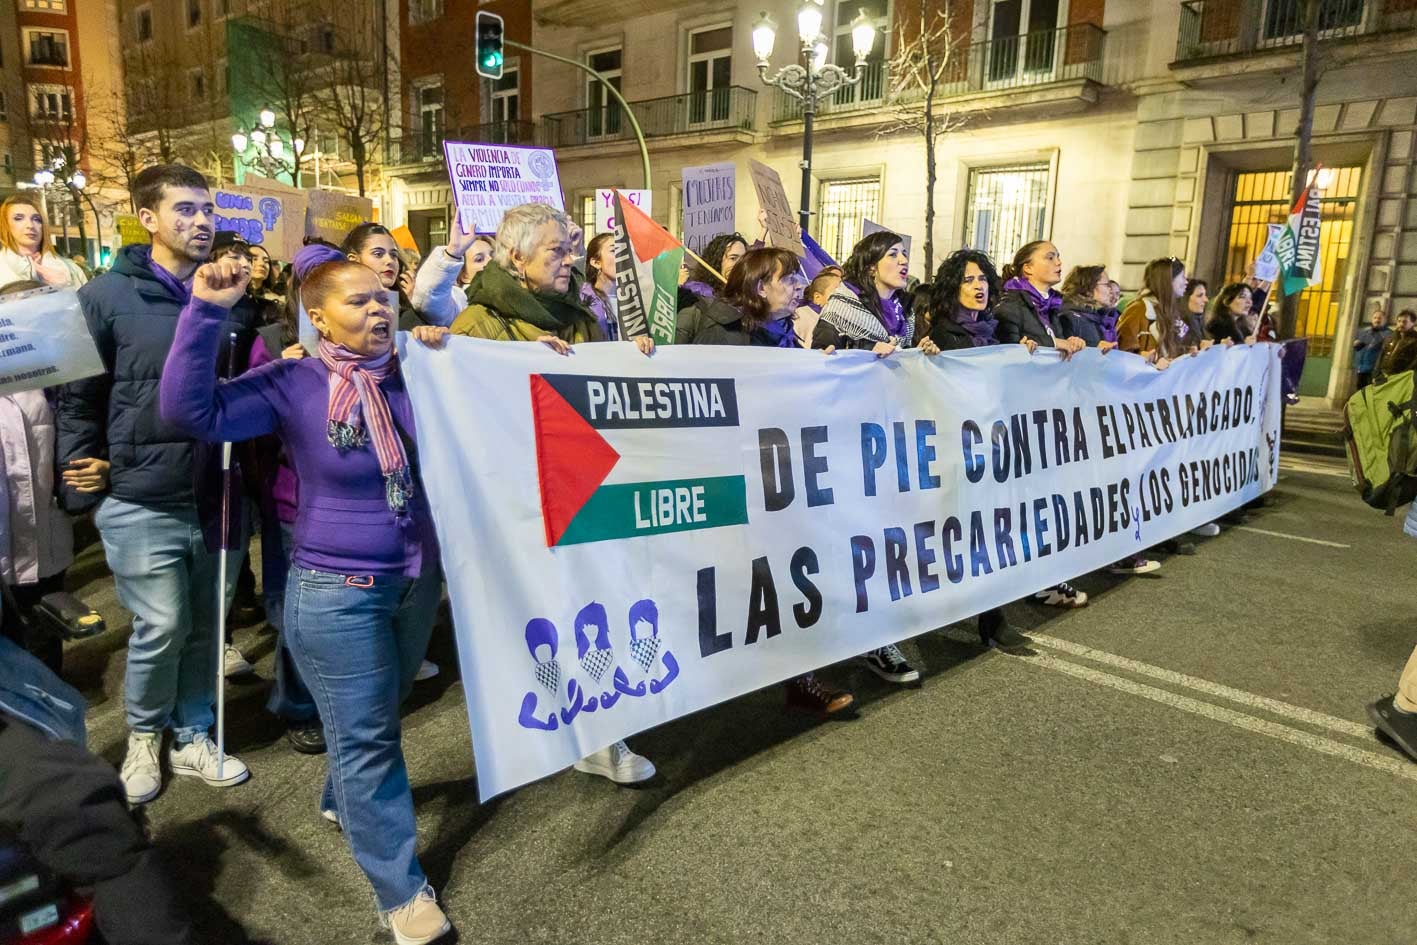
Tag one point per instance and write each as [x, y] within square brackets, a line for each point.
[528, 290]
[526, 293]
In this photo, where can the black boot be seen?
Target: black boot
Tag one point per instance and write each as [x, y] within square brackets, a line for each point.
[994, 630]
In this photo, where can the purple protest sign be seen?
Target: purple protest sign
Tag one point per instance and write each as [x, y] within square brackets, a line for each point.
[709, 197]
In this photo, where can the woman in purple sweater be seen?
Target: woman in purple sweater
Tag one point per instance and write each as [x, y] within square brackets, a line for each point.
[364, 582]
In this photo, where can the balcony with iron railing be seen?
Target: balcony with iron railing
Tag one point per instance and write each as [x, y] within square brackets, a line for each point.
[729, 109]
[1033, 60]
[1219, 28]
[420, 145]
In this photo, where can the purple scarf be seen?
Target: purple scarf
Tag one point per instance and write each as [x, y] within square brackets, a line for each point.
[980, 327]
[180, 290]
[1106, 321]
[779, 333]
[702, 289]
[892, 312]
[1045, 305]
[358, 413]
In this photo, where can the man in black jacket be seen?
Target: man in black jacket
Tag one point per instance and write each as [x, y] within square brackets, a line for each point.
[113, 440]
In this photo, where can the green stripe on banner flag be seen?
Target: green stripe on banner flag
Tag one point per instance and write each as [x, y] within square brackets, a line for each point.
[664, 308]
[629, 509]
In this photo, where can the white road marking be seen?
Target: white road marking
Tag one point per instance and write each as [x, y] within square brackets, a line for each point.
[1312, 541]
[1248, 699]
[1400, 767]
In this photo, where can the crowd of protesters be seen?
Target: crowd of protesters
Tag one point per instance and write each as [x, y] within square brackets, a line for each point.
[201, 337]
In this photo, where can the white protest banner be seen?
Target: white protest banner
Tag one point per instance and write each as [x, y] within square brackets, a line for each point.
[488, 179]
[44, 341]
[1266, 264]
[605, 206]
[782, 223]
[627, 539]
[870, 226]
[710, 194]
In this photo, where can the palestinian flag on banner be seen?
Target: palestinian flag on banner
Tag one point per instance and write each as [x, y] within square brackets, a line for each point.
[646, 274]
[1298, 243]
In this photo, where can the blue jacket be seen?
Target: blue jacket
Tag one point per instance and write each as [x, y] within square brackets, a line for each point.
[30, 692]
[132, 317]
[1369, 348]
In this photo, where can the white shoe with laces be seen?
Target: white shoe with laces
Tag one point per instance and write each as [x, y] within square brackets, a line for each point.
[617, 763]
[233, 663]
[142, 773]
[419, 921]
[198, 759]
[1208, 530]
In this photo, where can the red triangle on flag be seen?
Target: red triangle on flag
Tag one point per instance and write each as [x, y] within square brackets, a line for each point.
[648, 238]
[572, 458]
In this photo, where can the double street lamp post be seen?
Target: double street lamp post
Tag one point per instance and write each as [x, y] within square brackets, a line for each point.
[63, 175]
[812, 78]
[270, 155]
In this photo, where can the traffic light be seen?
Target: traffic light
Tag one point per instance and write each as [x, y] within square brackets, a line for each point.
[489, 45]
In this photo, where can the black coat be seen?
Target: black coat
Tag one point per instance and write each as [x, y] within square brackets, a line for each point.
[711, 322]
[1018, 319]
[949, 335]
[133, 317]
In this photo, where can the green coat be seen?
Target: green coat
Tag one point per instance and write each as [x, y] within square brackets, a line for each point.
[502, 309]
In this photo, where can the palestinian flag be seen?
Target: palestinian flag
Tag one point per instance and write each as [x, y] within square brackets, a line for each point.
[1298, 244]
[646, 274]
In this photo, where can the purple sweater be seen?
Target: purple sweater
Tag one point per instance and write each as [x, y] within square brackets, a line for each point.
[344, 524]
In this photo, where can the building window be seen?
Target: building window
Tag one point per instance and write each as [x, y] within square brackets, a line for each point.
[872, 87]
[421, 11]
[1007, 207]
[588, 212]
[197, 85]
[710, 74]
[194, 14]
[44, 6]
[52, 103]
[9, 164]
[325, 38]
[506, 97]
[47, 48]
[1023, 39]
[603, 116]
[4, 112]
[430, 117]
[844, 204]
[143, 24]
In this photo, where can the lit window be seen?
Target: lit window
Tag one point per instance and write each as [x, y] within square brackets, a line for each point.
[1007, 207]
[44, 6]
[844, 205]
[52, 103]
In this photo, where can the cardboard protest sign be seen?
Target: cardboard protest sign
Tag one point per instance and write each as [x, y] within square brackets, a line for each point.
[869, 226]
[44, 341]
[263, 214]
[782, 223]
[130, 230]
[605, 205]
[404, 237]
[490, 178]
[331, 215]
[709, 203]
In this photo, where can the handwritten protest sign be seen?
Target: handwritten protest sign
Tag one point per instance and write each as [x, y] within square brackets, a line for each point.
[44, 341]
[490, 178]
[709, 203]
[130, 230]
[605, 206]
[870, 226]
[331, 215]
[782, 224]
[263, 214]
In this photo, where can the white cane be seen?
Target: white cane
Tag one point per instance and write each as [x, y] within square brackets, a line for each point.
[221, 581]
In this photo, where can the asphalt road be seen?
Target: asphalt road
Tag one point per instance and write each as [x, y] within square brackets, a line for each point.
[1186, 760]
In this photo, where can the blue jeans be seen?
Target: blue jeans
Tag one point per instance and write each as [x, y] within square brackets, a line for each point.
[357, 641]
[290, 698]
[167, 579]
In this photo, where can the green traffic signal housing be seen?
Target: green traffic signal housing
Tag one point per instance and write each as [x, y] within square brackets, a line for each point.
[489, 45]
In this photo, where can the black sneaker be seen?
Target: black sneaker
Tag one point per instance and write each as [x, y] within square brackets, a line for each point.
[1061, 595]
[308, 738]
[1399, 726]
[890, 664]
[995, 631]
[1177, 547]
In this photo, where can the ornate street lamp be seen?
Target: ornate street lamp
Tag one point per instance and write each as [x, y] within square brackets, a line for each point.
[815, 78]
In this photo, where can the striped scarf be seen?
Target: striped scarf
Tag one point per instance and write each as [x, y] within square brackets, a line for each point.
[357, 403]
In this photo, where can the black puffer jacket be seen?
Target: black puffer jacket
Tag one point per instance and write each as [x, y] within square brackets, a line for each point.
[132, 317]
[711, 322]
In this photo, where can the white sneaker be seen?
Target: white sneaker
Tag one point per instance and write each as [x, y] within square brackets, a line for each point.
[198, 759]
[233, 663]
[419, 922]
[141, 774]
[426, 670]
[332, 817]
[617, 763]
[1208, 530]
